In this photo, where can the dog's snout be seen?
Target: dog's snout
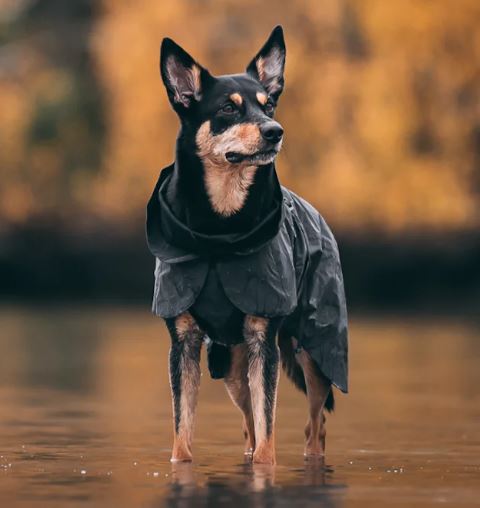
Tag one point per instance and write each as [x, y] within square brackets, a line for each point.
[271, 131]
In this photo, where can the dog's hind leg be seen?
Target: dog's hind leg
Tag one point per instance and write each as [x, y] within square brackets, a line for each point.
[236, 382]
[318, 389]
[263, 361]
[184, 370]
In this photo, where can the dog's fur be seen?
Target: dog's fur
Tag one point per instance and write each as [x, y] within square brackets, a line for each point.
[227, 134]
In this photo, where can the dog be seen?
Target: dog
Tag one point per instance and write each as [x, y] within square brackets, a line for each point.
[242, 263]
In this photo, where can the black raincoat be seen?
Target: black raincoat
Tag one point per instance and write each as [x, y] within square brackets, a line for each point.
[288, 266]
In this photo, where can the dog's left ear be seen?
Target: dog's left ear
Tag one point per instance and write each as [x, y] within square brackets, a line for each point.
[182, 76]
[269, 64]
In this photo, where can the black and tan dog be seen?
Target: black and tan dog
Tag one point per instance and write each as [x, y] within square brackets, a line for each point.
[241, 260]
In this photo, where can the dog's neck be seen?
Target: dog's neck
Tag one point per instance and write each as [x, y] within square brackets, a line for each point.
[201, 196]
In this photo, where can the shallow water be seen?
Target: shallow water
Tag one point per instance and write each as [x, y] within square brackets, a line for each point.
[85, 420]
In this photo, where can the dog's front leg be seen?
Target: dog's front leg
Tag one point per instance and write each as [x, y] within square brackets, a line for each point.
[184, 370]
[263, 361]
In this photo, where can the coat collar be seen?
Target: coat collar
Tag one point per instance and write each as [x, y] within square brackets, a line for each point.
[173, 241]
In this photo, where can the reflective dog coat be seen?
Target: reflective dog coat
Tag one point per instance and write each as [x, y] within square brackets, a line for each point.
[288, 266]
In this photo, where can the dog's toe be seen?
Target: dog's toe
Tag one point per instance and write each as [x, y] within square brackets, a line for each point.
[264, 455]
[181, 454]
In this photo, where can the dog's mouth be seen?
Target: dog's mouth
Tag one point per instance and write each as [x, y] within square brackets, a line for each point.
[257, 158]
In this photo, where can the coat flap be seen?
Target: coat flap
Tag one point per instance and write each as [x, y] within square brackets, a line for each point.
[263, 283]
[177, 286]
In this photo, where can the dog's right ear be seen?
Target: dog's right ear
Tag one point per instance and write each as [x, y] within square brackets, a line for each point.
[182, 76]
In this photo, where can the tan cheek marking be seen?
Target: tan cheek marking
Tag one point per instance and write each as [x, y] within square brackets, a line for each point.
[262, 98]
[249, 134]
[243, 138]
[227, 184]
[204, 140]
[236, 98]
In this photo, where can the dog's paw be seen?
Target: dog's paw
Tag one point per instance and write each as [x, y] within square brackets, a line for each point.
[315, 444]
[264, 454]
[184, 458]
[181, 454]
[313, 454]
[248, 452]
[314, 448]
[262, 459]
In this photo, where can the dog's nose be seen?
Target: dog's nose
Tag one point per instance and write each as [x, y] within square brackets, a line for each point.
[271, 131]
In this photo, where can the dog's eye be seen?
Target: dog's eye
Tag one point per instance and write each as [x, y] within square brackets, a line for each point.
[228, 109]
[269, 108]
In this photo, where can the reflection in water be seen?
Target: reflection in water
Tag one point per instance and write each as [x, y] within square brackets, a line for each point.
[59, 353]
[85, 419]
[251, 485]
[66, 345]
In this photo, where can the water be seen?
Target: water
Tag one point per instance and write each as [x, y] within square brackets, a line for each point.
[85, 420]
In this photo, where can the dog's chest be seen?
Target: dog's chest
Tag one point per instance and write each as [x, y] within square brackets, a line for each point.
[215, 313]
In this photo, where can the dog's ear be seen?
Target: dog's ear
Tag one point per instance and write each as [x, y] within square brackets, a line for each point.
[269, 64]
[182, 76]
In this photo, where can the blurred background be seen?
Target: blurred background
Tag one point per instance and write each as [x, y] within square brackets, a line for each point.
[382, 119]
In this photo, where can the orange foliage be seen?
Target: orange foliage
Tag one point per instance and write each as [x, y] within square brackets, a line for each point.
[381, 107]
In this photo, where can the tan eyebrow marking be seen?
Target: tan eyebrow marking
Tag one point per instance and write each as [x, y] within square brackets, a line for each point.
[236, 98]
[262, 98]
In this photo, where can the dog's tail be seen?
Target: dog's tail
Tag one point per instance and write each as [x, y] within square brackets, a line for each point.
[294, 370]
[219, 359]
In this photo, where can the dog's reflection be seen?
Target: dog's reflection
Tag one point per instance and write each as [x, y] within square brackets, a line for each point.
[262, 477]
[251, 485]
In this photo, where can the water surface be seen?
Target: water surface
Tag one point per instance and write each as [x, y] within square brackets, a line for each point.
[85, 419]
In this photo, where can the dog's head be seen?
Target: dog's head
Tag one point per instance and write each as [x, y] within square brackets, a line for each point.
[230, 118]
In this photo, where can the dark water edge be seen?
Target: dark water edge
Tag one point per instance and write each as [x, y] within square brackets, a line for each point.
[49, 262]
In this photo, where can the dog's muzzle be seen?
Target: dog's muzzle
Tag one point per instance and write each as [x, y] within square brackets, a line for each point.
[260, 158]
[272, 134]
